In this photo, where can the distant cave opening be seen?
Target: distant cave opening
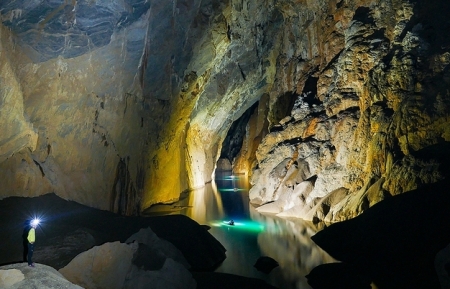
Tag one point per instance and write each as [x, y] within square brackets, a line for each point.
[233, 141]
[310, 91]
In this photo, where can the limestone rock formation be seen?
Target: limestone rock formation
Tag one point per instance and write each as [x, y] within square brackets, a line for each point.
[20, 276]
[367, 118]
[121, 105]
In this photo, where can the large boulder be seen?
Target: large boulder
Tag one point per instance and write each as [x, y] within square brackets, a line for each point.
[103, 267]
[396, 242]
[152, 243]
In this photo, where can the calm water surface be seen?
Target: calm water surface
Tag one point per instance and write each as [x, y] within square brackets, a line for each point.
[254, 234]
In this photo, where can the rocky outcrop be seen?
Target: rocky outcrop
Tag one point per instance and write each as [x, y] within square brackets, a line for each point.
[366, 120]
[19, 276]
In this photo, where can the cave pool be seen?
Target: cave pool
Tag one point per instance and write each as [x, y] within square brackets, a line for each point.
[253, 235]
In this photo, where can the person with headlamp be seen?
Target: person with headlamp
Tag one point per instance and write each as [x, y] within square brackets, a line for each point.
[31, 239]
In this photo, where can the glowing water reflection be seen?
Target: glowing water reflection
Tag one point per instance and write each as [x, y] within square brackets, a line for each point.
[254, 235]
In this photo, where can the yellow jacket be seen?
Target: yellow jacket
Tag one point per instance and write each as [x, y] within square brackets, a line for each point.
[31, 235]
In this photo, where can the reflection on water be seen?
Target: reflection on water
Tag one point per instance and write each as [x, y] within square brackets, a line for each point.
[254, 235]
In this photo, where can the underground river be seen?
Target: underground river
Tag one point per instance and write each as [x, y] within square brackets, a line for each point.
[253, 235]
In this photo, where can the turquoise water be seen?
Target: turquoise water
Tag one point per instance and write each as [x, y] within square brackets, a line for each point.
[254, 235]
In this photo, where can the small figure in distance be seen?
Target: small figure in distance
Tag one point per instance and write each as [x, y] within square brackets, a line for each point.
[231, 223]
[31, 239]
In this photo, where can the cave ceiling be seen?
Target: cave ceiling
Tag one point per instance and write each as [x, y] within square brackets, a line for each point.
[68, 28]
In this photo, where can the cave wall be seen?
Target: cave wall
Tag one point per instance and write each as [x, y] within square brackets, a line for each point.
[79, 118]
[120, 105]
[376, 123]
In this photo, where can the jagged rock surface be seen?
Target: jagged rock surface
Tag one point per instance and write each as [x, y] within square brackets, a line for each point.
[373, 123]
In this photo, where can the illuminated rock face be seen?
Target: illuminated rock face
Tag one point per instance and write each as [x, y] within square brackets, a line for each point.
[120, 105]
[374, 123]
